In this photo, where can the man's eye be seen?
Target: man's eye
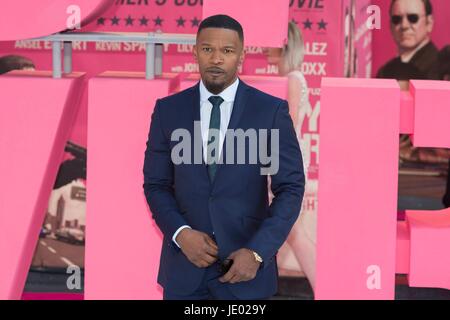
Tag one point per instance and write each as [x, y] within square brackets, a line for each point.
[207, 49]
[228, 50]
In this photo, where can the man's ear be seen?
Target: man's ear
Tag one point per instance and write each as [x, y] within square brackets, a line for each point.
[430, 23]
[242, 57]
[194, 51]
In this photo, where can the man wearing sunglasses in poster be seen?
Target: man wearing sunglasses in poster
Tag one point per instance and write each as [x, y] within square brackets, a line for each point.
[411, 26]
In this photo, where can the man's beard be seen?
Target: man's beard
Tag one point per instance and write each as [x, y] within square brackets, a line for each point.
[214, 87]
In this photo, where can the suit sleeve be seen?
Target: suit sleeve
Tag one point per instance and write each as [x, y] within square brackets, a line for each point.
[288, 185]
[158, 178]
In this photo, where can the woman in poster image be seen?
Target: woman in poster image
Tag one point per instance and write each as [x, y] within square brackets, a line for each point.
[302, 238]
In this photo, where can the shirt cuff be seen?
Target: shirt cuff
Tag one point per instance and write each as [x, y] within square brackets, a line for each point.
[177, 232]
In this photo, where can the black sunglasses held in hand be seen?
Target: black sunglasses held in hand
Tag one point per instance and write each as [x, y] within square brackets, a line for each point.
[412, 18]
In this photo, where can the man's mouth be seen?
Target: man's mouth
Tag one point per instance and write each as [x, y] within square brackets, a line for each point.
[406, 35]
[215, 72]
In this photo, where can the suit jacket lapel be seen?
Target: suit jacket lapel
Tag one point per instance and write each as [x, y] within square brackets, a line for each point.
[197, 140]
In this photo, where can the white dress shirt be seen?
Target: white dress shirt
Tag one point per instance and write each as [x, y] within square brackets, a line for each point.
[226, 108]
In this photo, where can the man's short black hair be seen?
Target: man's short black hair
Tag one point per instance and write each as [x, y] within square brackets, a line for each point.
[222, 21]
[14, 62]
[427, 3]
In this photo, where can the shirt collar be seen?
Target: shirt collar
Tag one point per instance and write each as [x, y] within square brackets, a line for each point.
[406, 58]
[228, 95]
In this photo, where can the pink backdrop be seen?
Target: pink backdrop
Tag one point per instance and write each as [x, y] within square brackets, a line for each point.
[319, 21]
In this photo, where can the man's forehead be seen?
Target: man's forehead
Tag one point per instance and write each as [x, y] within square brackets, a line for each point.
[218, 34]
[408, 6]
[217, 42]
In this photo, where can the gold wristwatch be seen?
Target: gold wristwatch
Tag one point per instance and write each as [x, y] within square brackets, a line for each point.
[257, 257]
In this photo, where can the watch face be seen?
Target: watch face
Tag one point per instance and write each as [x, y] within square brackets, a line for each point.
[257, 257]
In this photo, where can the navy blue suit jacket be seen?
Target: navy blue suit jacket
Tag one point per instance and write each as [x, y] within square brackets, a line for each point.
[235, 206]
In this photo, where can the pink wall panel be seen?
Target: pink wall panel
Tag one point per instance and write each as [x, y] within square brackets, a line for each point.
[357, 189]
[122, 242]
[36, 116]
[431, 113]
[429, 253]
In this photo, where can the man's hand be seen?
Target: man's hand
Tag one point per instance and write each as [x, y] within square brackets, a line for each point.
[244, 267]
[198, 247]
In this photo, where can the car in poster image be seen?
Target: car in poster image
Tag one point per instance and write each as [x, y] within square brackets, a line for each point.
[71, 235]
[44, 232]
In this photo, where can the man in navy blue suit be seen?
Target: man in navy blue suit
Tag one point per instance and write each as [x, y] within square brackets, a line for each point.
[206, 193]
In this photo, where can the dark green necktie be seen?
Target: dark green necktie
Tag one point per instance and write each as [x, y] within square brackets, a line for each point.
[213, 141]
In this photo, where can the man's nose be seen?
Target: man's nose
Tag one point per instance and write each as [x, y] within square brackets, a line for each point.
[217, 57]
[405, 23]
